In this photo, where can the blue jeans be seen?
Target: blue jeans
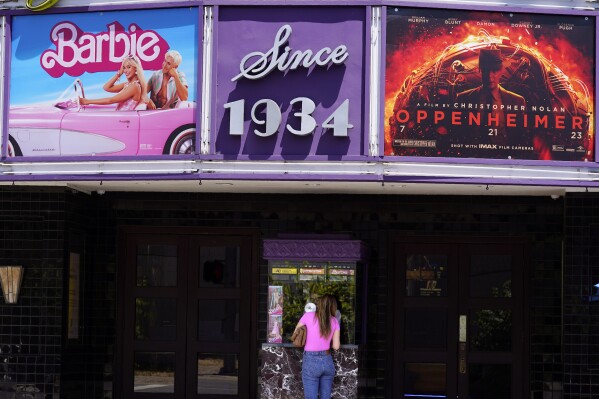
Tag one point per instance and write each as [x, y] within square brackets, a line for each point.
[318, 372]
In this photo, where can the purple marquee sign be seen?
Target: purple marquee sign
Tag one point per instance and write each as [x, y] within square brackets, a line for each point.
[290, 82]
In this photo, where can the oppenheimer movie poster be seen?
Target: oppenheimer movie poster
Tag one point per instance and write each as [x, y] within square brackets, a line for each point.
[473, 84]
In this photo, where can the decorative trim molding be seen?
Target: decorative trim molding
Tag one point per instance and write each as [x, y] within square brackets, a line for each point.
[334, 250]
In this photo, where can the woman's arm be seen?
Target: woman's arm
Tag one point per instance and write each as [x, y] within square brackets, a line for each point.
[111, 86]
[336, 340]
[123, 95]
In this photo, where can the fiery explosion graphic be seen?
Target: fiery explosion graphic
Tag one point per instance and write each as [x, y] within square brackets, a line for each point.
[546, 68]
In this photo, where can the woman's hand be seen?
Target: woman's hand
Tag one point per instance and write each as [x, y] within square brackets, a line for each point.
[83, 101]
[151, 105]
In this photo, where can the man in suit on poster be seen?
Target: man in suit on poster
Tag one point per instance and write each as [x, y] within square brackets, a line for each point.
[490, 95]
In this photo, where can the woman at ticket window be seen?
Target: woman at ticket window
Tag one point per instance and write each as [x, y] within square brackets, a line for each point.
[130, 93]
[322, 328]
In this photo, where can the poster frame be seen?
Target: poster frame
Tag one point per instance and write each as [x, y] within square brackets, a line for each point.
[361, 129]
[566, 11]
[129, 7]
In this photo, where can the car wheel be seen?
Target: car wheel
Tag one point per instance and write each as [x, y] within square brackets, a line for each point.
[13, 148]
[182, 141]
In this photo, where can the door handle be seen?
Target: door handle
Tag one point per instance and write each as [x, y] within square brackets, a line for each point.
[463, 341]
[462, 358]
[124, 121]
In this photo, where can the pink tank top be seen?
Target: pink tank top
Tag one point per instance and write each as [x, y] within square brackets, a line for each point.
[314, 342]
[130, 103]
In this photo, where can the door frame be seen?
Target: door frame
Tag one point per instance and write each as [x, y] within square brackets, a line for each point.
[252, 234]
[393, 292]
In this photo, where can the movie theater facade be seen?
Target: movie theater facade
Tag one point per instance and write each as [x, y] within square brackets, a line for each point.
[431, 165]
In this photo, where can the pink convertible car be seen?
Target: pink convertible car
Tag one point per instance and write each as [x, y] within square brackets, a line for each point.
[68, 129]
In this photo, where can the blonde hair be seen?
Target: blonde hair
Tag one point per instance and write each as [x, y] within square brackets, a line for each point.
[175, 55]
[139, 71]
[326, 308]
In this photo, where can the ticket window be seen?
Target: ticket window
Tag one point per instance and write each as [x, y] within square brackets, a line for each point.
[295, 285]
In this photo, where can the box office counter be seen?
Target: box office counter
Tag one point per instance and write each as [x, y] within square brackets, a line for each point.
[281, 371]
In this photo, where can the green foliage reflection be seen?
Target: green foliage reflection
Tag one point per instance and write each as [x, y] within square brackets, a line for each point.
[297, 295]
[492, 328]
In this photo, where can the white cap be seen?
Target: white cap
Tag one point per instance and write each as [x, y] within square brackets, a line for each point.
[310, 307]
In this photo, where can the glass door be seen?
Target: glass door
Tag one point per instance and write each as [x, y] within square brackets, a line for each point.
[458, 319]
[218, 311]
[186, 316]
[492, 327]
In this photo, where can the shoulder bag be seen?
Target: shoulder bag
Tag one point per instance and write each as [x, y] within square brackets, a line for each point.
[299, 337]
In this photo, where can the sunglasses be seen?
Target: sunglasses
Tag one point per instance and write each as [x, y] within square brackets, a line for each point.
[131, 57]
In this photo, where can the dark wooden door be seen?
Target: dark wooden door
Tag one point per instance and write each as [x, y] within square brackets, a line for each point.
[186, 315]
[458, 318]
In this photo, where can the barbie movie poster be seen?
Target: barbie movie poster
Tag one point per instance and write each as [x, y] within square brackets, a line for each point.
[103, 84]
[275, 300]
[275, 329]
[473, 84]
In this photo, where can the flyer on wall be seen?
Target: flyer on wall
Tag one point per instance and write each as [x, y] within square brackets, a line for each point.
[275, 300]
[275, 329]
[91, 84]
[475, 84]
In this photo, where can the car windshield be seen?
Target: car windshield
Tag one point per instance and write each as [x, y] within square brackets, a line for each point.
[69, 98]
